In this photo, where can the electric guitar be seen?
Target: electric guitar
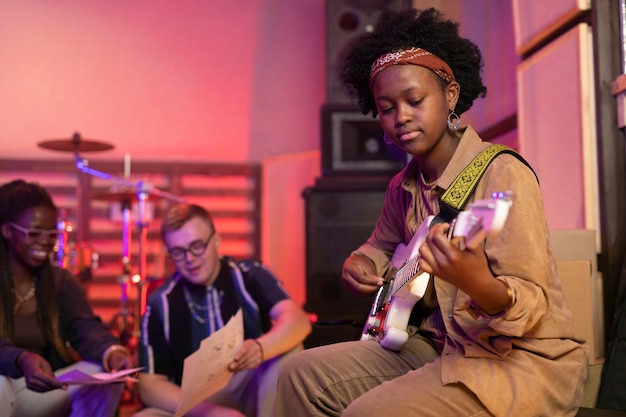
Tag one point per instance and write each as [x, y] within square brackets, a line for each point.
[389, 316]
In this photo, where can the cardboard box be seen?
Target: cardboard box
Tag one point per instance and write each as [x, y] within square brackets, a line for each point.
[578, 290]
[577, 260]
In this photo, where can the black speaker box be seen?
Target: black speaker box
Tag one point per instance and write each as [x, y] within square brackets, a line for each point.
[338, 221]
[352, 144]
[346, 20]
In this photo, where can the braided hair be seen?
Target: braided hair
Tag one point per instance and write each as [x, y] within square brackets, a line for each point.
[16, 198]
[427, 29]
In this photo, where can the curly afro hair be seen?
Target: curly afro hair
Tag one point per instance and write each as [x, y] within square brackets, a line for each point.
[427, 29]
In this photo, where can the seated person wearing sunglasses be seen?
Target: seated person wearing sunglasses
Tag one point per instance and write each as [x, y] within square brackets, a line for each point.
[204, 292]
[45, 318]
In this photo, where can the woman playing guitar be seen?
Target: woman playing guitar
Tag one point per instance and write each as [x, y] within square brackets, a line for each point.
[492, 335]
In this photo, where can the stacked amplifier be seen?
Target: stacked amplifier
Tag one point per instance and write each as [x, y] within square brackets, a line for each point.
[343, 205]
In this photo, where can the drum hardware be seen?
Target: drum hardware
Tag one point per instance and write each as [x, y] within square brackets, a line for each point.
[79, 258]
[129, 192]
[117, 194]
[61, 248]
[75, 144]
[125, 317]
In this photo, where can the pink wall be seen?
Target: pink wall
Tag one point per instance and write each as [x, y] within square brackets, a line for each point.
[192, 80]
[557, 109]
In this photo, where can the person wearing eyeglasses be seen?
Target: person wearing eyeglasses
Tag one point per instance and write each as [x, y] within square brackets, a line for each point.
[204, 292]
[47, 327]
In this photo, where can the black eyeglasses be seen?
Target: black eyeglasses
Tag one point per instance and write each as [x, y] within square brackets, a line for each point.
[36, 234]
[196, 248]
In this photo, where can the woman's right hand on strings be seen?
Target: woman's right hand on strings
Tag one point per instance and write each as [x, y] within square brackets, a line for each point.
[359, 275]
[38, 374]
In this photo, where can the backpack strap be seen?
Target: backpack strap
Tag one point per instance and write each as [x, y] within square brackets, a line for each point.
[456, 196]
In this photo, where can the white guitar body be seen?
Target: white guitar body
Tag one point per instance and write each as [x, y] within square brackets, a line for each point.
[402, 302]
[395, 333]
[389, 317]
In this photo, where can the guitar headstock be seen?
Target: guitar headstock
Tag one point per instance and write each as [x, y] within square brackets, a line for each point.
[483, 218]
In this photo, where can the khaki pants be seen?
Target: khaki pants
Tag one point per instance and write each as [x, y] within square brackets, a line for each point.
[362, 379]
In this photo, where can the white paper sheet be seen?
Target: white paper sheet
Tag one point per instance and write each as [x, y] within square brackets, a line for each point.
[206, 370]
[76, 376]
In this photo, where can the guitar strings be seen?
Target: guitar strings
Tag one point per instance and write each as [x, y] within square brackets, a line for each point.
[411, 268]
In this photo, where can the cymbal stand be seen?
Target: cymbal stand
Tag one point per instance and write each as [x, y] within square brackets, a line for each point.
[124, 279]
[141, 187]
[144, 191]
[63, 243]
[142, 227]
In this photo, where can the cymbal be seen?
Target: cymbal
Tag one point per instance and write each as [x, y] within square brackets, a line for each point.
[75, 144]
[128, 195]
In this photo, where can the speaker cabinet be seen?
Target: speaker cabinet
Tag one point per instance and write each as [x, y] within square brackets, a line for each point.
[346, 20]
[329, 333]
[337, 222]
[352, 144]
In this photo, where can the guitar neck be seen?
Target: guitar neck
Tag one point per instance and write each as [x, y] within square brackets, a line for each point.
[405, 274]
[483, 218]
[411, 267]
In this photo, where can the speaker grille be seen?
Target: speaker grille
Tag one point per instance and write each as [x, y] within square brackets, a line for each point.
[346, 20]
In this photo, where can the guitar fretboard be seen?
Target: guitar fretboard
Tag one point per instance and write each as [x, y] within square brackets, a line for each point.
[404, 274]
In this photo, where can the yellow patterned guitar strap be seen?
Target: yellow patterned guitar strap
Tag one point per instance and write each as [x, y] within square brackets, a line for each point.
[456, 196]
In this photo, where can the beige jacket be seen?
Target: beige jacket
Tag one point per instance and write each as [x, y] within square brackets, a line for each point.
[527, 362]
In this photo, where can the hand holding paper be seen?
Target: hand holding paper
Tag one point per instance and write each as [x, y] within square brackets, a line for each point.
[206, 370]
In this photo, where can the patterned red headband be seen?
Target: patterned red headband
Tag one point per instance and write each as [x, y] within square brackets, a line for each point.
[415, 56]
